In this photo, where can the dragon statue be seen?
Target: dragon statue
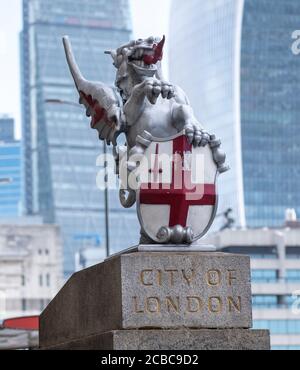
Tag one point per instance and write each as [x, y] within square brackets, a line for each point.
[142, 105]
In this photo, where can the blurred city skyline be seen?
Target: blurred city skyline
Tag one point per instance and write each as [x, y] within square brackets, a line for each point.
[11, 25]
[235, 61]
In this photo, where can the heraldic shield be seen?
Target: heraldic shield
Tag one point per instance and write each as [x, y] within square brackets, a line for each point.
[177, 197]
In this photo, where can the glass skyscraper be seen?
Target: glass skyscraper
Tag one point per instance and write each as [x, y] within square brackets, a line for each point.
[7, 128]
[10, 170]
[234, 59]
[60, 148]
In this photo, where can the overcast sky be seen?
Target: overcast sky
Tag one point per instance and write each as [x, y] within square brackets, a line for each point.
[150, 17]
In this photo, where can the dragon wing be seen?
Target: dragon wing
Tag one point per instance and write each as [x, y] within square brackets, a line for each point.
[101, 101]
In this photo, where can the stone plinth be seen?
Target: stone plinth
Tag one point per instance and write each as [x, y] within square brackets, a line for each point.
[151, 290]
[181, 339]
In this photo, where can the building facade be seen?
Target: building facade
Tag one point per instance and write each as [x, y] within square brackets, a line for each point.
[275, 270]
[60, 148]
[10, 170]
[7, 129]
[31, 270]
[234, 59]
[31, 274]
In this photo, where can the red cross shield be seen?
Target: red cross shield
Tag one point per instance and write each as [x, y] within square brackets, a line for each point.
[177, 194]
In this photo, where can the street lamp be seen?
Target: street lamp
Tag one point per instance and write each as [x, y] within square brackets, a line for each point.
[60, 101]
[106, 199]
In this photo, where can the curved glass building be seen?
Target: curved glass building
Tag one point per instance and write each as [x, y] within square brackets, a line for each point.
[234, 60]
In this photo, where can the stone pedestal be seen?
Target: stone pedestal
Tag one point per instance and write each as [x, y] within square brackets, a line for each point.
[178, 300]
[179, 339]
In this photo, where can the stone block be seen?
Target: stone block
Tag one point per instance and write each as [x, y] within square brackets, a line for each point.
[182, 339]
[148, 290]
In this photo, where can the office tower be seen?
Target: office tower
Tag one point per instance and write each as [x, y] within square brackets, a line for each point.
[6, 128]
[275, 270]
[10, 170]
[234, 60]
[60, 148]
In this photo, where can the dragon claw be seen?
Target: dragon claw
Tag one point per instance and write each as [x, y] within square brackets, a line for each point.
[153, 88]
[196, 136]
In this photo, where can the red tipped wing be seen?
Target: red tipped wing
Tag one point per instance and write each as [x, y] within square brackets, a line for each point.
[100, 100]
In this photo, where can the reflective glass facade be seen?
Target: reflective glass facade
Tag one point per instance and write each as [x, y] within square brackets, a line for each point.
[6, 129]
[286, 348]
[264, 276]
[10, 179]
[204, 61]
[264, 301]
[293, 275]
[234, 60]
[270, 110]
[278, 326]
[60, 148]
[275, 278]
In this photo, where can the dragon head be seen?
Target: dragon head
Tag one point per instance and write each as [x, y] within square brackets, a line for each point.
[145, 55]
[137, 60]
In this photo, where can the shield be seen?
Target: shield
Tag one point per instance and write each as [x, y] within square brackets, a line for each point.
[177, 197]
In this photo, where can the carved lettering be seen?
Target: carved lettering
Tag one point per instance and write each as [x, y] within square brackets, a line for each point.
[159, 277]
[170, 302]
[234, 304]
[194, 304]
[187, 278]
[171, 273]
[161, 281]
[137, 309]
[231, 276]
[153, 305]
[145, 278]
[171, 276]
[213, 277]
[188, 304]
[215, 304]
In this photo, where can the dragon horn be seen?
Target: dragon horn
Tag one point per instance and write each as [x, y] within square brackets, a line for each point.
[159, 50]
[158, 53]
[74, 69]
[113, 54]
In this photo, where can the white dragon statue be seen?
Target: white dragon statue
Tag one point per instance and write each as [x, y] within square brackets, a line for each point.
[142, 103]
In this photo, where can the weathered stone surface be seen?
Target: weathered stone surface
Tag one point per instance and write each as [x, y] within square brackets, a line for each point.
[151, 290]
[199, 339]
[209, 290]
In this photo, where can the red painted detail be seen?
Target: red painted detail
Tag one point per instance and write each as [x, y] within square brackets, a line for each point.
[156, 170]
[98, 113]
[180, 199]
[158, 53]
[22, 323]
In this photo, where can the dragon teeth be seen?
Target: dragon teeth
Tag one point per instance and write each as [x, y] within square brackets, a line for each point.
[148, 52]
[140, 53]
[141, 63]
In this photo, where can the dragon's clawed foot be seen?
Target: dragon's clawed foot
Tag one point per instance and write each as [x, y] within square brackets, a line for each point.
[154, 88]
[196, 135]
